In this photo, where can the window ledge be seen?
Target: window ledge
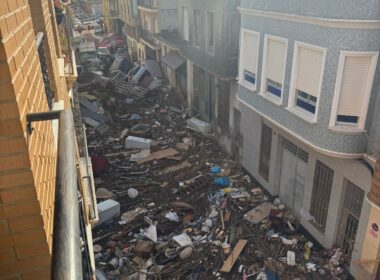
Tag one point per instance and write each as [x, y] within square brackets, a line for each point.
[347, 129]
[307, 118]
[275, 101]
[247, 85]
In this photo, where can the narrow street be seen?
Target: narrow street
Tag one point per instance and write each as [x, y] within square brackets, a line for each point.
[172, 205]
[189, 140]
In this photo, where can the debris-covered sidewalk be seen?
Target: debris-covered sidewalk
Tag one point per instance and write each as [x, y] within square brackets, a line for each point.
[172, 205]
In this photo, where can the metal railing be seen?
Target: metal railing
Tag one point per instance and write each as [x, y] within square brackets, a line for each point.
[71, 255]
[133, 31]
[44, 70]
[147, 35]
[151, 4]
[68, 29]
[67, 257]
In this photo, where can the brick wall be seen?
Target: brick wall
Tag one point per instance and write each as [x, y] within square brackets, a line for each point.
[27, 162]
[43, 21]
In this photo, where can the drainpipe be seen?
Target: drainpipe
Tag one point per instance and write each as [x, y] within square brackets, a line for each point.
[369, 262]
[67, 261]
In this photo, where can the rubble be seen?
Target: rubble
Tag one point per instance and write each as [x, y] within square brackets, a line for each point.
[107, 210]
[187, 210]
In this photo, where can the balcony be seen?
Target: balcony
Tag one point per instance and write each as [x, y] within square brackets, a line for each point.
[147, 36]
[114, 14]
[67, 63]
[132, 31]
[148, 5]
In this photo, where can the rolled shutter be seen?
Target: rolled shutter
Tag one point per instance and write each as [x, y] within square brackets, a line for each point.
[354, 85]
[275, 67]
[309, 70]
[250, 52]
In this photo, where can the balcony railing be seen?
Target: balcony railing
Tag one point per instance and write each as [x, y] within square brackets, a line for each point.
[133, 31]
[114, 14]
[147, 35]
[45, 74]
[150, 4]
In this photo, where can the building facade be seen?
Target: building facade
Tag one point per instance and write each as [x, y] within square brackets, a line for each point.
[139, 20]
[202, 58]
[155, 16]
[37, 72]
[308, 112]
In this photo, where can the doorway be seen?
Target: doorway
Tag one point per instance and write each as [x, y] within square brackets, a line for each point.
[293, 175]
[351, 209]
[204, 93]
[236, 136]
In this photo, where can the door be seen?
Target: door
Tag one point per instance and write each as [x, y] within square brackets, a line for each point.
[224, 107]
[237, 137]
[351, 209]
[207, 86]
[292, 181]
[265, 151]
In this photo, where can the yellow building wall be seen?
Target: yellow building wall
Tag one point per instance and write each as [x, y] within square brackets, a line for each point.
[27, 162]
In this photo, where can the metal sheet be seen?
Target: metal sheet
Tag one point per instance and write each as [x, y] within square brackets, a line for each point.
[173, 60]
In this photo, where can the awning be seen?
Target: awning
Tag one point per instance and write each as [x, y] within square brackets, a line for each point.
[173, 60]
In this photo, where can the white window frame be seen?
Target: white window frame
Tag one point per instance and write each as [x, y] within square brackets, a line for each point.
[310, 118]
[263, 92]
[210, 50]
[360, 126]
[243, 82]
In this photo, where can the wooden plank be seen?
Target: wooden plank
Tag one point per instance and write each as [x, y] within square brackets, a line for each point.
[176, 167]
[229, 263]
[159, 155]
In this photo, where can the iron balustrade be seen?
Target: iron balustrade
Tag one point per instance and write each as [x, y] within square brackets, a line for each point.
[45, 73]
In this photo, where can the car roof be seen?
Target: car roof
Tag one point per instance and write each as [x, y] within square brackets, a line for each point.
[153, 67]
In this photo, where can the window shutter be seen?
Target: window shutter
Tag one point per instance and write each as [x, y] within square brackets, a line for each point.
[275, 57]
[186, 24]
[309, 70]
[250, 52]
[354, 84]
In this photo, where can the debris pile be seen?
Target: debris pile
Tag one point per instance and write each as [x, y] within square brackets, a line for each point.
[173, 206]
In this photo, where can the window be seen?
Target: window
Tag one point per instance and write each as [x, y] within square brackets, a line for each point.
[320, 197]
[265, 151]
[307, 73]
[186, 33]
[306, 101]
[210, 33]
[197, 28]
[135, 11]
[273, 67]
[353, 89]
[249, 58]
